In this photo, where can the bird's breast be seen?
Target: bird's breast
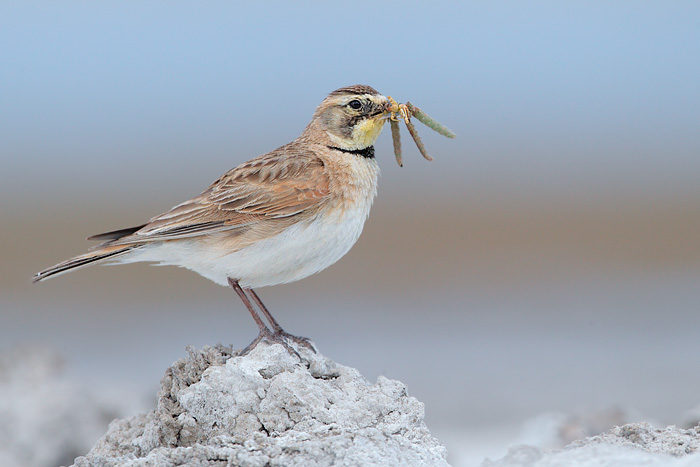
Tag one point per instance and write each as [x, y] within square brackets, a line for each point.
[353, 180]
[311, 246]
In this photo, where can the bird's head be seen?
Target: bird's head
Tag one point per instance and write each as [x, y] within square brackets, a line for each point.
[351, 117]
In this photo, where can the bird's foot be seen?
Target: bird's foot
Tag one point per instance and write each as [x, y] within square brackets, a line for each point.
[305, 341]
[272, 338]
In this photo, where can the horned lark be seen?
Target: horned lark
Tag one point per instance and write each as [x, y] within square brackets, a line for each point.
[277, 218]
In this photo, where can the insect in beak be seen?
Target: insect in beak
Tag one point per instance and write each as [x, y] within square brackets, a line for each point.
[405, 112]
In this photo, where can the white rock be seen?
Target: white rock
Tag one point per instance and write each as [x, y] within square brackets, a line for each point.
[270, 408]
[635, 444]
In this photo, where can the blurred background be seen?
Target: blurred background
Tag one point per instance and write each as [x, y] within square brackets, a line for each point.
[546, 262]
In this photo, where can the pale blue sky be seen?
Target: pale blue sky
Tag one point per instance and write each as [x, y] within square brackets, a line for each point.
[554, 96]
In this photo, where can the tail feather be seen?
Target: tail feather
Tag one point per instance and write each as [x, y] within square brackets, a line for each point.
[102, 254]
[117, 234]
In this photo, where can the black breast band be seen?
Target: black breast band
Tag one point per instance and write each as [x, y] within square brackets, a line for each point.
[367, 152]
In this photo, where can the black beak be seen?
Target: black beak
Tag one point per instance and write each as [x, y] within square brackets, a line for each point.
[381, 108]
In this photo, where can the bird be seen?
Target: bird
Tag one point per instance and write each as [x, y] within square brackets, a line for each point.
[277, 218]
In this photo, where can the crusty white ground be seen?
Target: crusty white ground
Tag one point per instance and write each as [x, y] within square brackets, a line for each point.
[271, 408]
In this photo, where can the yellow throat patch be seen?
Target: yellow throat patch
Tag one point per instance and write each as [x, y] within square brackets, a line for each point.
[366, 133]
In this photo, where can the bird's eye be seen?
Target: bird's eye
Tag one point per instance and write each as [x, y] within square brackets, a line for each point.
[355, 104]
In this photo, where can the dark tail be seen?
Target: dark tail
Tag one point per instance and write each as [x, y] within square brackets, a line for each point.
[87, 259]
[116, 234]
[102, 252]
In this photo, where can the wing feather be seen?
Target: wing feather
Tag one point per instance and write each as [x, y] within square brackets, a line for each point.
[288, 182]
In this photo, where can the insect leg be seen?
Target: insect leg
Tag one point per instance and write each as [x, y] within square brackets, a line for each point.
[429, 121]
[416, 138]
[396, 139]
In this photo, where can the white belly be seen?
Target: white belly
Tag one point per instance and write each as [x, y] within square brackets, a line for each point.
[298, 252]
[295, 253]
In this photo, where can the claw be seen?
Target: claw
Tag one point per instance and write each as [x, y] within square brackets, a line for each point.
[276, 338]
